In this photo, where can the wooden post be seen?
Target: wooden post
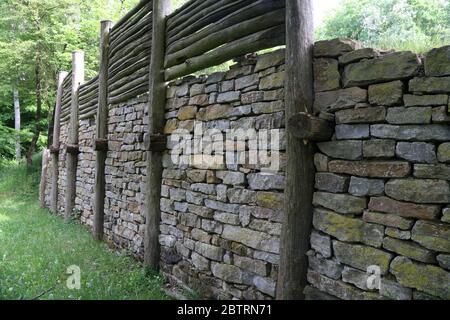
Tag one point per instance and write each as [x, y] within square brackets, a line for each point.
[54, 149]
[43, 182]
[156, 109]
[101, 131]
[299, 97]
[72, 146]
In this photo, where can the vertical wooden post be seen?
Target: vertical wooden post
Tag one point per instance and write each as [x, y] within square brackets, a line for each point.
[72, 145]
[54, 149]
[43, 182]
[101, 131]
[299, 97]
[156, 109]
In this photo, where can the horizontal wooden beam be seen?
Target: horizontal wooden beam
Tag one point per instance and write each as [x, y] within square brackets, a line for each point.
[100, 144]
[72, 149]
[308, 127]
[155, 142]
[54, 150]
[268, 38]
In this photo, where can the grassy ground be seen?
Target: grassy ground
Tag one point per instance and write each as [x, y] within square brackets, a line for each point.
[36, 248]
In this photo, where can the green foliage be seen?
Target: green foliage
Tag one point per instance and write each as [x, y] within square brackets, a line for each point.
[36, 248]
[41, 35]
[416, 25]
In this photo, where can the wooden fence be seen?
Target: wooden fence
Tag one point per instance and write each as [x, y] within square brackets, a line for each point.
[149, 47]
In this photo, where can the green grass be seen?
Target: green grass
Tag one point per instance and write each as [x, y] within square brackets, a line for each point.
[36, 248]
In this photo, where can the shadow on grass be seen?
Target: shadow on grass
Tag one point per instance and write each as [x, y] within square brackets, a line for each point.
[36, 248]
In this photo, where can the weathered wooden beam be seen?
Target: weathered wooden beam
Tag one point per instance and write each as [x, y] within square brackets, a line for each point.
[156, 111]
[155, 142]
[261, 40]
[299, 97]
[73, 149]
[253, 10]
[212, 12]
[133, 92]
[131, 13]
[100, 144]
[54, 149]
[72, 145]
[101, 132]
[226, 35]
[306, 126]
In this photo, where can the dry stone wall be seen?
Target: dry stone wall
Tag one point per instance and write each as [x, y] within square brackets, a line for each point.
[84, 201]
[221, 221]
[382, 184]
[125, 173]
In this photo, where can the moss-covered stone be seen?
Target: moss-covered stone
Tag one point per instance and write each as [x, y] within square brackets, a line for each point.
[419, 191]
[389, 220]
[430, 85]
[393, 66]
[444, 152]
[347, 229]
[437, 62]
[386, 94]
[409, 249]
[342, 203]
[326, 74]
[430, 279]
[432, 235]
[361, 257]
[335, 47]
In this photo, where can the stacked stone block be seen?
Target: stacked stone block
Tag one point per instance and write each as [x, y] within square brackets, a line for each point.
[382, 184]
[221, 223]
[84, 198]
[62, 175]
[125, 173]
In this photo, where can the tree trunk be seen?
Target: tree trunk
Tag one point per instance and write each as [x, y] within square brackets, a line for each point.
[37, 118]
[17, 122]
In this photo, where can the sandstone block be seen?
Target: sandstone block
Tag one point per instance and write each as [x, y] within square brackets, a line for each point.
[361, 257]
[357, 131]
[416, 151]
[366, 187]
[409, 249]
[335, 47]
[361, 115]
[331, 182]
[404, 209]
[393, 66]
[348, 150]
[426, 100]
[378, 148]
[437, 62]
[339, 99]
[386, 94]
[430, 85]
[432, 235]
[371, 169]
[427, 278]
[411, 115]
[411, 133]
[389, 220]
[419, 191]
[326, 74]
[321, 243]
[341, 203]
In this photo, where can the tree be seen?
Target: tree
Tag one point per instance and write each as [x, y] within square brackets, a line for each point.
[416, 25]
[36, 41]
